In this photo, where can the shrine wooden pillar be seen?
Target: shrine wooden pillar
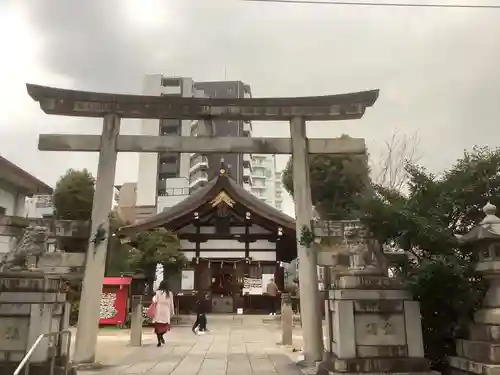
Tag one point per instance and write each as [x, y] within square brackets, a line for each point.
[248, 223]
[197, 265]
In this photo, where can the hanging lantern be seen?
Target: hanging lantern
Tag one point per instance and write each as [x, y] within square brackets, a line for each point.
[259, 264]
[234, 265]
[222, 263]
[197, 260]
[208, 264]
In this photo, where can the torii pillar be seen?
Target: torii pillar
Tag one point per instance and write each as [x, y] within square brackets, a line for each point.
[308, 259]
[88, 315]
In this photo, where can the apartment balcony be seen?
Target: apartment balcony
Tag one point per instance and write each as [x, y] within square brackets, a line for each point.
[247, 176]
[197, 179]
[259, 176]
[198, 162]
[259, 186]
[247, 161]
[247, 129]
[171, 192]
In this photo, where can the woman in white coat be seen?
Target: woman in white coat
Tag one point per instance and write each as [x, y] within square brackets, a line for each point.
[164, 301]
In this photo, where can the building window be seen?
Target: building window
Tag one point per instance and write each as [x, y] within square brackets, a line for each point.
[170, 130]
[166, 82]
[3, 210]
[169, 159]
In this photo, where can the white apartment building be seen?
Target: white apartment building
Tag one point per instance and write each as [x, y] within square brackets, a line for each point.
[156, 168]
[15, 186]
[39, 206]
[165, 179]
[266, 180]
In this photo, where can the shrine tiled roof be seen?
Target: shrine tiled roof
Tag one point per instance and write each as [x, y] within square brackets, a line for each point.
[204, 195]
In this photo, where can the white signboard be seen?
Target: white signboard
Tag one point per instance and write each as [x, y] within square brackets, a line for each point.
[266, 278]
[252, 286]
[187, 282]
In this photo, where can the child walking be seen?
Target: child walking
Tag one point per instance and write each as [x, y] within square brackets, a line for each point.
[200, 325]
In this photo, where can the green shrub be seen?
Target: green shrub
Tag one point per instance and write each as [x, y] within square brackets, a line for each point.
[449, 291]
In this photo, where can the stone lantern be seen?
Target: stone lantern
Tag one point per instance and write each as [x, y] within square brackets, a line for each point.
[480, 354]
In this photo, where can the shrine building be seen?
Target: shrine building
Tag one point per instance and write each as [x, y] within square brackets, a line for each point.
[234, 242]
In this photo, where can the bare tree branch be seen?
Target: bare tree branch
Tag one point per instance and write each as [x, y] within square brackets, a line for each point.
[399, 150]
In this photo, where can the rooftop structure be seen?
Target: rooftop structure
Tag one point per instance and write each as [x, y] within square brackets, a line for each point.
[21, 180]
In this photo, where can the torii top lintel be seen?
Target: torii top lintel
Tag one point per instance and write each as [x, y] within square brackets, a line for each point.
[64, 102]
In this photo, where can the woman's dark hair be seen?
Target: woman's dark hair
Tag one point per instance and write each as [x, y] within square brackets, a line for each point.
[164, 287]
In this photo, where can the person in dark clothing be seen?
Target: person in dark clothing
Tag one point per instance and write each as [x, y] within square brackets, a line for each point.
[200, 325]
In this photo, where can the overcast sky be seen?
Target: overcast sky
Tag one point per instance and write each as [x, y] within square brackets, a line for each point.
[437, 70]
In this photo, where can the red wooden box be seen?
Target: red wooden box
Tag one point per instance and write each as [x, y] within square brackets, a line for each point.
[114, 300]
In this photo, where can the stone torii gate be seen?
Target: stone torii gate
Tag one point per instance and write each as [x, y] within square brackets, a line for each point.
[113, 107]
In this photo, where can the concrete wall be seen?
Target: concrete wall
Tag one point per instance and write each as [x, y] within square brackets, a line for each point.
[177, 190]
[224, 128]
[148, 162]
[127, 196]
[184, 162]
[14, 204]
[38, 206]
[147, 189]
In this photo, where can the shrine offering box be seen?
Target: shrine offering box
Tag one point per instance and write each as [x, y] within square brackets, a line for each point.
[114, 300]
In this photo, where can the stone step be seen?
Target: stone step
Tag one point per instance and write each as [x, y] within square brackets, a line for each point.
[376, 365]
[484, 332]
[277, 319]
[479, 351]
[473, 367]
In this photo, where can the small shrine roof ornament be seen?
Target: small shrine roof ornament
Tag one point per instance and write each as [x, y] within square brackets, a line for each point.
[222, 170]
[487, 229]
[222, 197]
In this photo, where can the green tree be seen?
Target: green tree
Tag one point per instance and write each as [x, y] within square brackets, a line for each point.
[73, 198]
[118, 254]
[73, 195]
[159, 246]
[423, 223]
[336, 183]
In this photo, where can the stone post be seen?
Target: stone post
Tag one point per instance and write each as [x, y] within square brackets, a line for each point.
[373, 326]
[88, 317]
[481, 352]
[136, 321]
[308, 276]
[32, 304]
[286, 320]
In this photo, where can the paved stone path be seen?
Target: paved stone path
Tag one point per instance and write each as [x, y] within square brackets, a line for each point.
[234, 346]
